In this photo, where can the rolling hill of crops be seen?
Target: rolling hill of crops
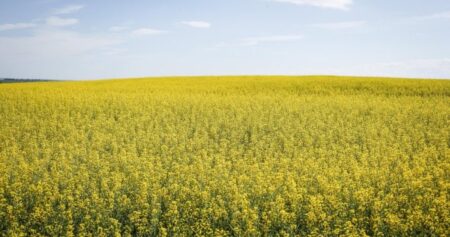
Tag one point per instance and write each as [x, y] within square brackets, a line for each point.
[226, 156]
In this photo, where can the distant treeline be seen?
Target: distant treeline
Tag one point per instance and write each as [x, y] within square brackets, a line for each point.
[19, 80]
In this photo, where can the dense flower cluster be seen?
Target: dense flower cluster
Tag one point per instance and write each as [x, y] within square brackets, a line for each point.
[232, 156]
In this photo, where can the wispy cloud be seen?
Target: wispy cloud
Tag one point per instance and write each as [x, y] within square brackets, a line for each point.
[439, 15]
[336, 4]
[58, 21]
[434, 64]
[425, 68]
[197, 24]
[16, 26]
[340, 25]
[50, 43]
[54, 52]
[118, 28]
[270, 39]
[147, 31]
[68, 9]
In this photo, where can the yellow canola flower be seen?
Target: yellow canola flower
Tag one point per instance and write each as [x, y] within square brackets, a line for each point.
[225, 156]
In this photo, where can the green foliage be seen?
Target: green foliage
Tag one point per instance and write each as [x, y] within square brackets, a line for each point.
[231, 156]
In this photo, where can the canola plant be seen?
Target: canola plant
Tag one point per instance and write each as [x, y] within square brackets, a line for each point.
[226, 156]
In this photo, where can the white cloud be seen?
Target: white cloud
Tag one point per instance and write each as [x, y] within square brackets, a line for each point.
[424, 68]
[58, 21]
[16, 26]
[147, 31]
[270, 39]
[68, 9]
[336, 4]
[197, 24]
[115, 51]
[118, 28]
[439, 15]
[54, 43]
[420, 64]
[57, 53]
[340, 25]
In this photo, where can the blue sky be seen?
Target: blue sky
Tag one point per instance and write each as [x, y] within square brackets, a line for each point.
[71, 39]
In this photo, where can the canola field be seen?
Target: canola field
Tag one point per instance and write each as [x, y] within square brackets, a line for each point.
[226, 156]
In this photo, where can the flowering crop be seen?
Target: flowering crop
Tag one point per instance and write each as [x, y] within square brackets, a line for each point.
[226, 156]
